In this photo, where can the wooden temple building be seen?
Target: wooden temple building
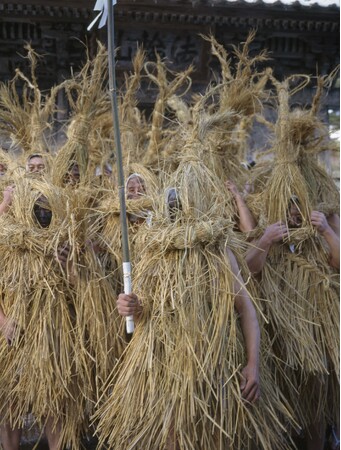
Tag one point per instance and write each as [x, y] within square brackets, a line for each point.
[302, 36]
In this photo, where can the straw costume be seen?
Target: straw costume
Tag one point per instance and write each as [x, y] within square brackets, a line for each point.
[52, 375]
[95, 278]
[178, 377]
[302, 288]
[38, 370]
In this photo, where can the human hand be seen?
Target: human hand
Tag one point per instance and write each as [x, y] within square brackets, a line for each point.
[319, 221]
[249, 383]
[8, 195]
[232, 188]
[128, 305]
[275, 232]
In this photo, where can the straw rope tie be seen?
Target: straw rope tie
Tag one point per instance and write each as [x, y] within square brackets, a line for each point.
[310, 268]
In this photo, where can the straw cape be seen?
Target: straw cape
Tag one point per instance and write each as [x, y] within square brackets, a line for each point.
[179, 376]
[95, 287]
[66, 325]
[39, 370]
[95, 277]
[302, 288]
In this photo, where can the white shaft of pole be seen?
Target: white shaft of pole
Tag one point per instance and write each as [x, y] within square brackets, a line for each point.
[127, 290]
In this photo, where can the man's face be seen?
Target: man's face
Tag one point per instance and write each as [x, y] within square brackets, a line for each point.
[295, 217]
[135, 188]
[35, 165]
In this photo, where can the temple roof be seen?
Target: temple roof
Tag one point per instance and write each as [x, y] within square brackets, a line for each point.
[307, 3]
[89, 4]
[191, 11]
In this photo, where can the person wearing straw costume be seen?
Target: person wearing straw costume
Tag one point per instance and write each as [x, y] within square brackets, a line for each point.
[135, 189]
[87, 248]
[296, 257]
[141, 188]
[185, 380]
[67, 355]
[37, 350]
[34, 164]
[15, 116]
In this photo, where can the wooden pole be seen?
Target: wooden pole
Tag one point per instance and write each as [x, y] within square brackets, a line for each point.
[120, 180]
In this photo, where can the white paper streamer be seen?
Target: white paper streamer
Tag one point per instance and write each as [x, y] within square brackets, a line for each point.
[102, 6]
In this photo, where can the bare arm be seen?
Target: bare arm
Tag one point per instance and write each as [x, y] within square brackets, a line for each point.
[246, 220]
[334, 222]
[256, 255]
[248, 318]
[321, 224]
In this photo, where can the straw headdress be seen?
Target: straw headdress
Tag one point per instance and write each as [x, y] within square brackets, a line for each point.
[27, 120]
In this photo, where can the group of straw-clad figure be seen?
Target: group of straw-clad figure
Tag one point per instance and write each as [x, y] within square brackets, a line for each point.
[234, 268]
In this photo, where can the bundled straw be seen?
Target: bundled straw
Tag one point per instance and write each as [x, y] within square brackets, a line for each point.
[302, 289]
[167, 88]
[25, 119]
[178, 378]
[88, 99]
[40, 371]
